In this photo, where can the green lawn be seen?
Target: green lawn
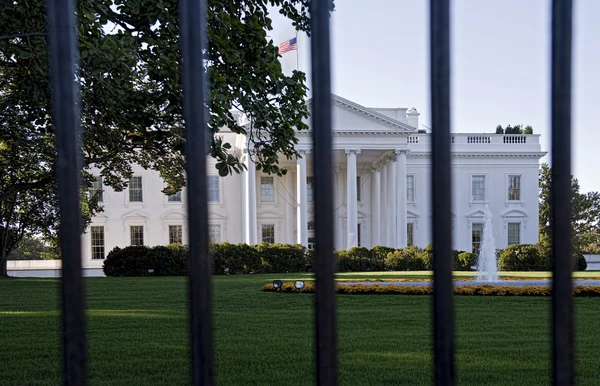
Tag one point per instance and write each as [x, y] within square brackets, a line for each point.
[138, 335]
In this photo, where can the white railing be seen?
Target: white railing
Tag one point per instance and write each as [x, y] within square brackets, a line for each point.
[480, 139]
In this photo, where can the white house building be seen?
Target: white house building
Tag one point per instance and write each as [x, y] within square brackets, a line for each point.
[382, 191]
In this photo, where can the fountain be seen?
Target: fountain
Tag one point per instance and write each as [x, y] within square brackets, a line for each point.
[487, 265]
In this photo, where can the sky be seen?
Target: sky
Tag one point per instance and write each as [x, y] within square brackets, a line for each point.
[500, 65]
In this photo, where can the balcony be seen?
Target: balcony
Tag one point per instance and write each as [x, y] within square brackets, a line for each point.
[480, 142]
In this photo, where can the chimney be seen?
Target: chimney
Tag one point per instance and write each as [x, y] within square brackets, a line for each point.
[412, 117]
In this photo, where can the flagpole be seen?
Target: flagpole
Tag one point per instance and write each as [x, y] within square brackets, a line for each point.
[297, 51]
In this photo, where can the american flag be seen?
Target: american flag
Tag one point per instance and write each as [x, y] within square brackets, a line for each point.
[288, 45]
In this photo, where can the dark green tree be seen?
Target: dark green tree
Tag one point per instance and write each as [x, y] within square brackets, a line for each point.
[131, 110]
[528, 130]
[499, 129]
[585, 213]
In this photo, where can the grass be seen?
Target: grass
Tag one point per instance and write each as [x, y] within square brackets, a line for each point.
[137, 334]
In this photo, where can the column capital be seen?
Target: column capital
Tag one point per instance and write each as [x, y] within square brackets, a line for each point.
[338, 168]
[355, 151]
[305, 151]
[401, 151]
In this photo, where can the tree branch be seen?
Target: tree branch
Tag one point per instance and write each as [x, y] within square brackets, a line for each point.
[17, 35]
[14, 189]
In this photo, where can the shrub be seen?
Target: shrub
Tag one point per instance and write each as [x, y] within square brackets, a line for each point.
[406, 259]
[128, 261]
[162, 261]
[357, 259]
[281, 258]
[522, 257]
[378, 255]
[179, 255]
[480, 290]
[465, 260]
[580, 264]
[427, 257]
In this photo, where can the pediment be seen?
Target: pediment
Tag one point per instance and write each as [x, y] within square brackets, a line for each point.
[476, 213]
[515, 213]
[269, 214]
[173, 214]
[412, 214]
[348, 116]
[359, 214]
[135, 216]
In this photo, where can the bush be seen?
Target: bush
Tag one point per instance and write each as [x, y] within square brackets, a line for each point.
[128, 261]
[281, 258]
[406, 259]
[427, 257]
[522, 257]
[236, 258]
[378, 255]
[466, 260]
[480, 290]
[579, 262]
[357, 259]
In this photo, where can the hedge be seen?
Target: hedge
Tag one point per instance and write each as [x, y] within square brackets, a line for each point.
[238, 259]
[480, 290]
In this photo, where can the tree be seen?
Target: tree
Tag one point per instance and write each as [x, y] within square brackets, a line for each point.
[585, 213]
[528, 130]
[29, 248]
[499, 129]
[508, 130]
[128, 74]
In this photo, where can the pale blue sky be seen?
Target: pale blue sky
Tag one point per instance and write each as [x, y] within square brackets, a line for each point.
[500, 65]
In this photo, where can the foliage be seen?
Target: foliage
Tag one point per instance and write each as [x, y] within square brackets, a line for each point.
[406, 259]
[585, 214]
[467, 290]
[528, 130]
[465, 261]
[499, 129]
[128, 261]
[357, 259]
[522, 257]
[427, 256]
[29, 248]
[379, 253]
[282, 257]
[131, 94]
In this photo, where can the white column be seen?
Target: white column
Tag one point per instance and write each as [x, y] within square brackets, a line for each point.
[290, 208]
[302, 216]
[391, 196]
[383, 202]
[352, 227]
[376, 208]
[401, 197]
[339, 201]
[250, 199]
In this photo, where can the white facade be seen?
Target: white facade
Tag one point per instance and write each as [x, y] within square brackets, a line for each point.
[382, 191]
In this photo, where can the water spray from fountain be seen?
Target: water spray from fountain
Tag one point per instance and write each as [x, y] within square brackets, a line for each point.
[487, 266]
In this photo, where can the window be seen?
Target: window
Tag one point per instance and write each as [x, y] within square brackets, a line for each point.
[410, 188]
[267, 189]
[514, 233]
[358, 190]
[476, 233]
[135, 189]
[214, 233]
[310, 189]
[136, 233]
[478, 188]
[514, 188]
[175, 234]
[268, 233]
[96, 188]
[409, 234]
[175, 197]
[310, 225]
[213, 189]
[97, 235]
[358, 235]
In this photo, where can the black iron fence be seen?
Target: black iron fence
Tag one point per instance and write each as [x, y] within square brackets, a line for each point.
[63, 48]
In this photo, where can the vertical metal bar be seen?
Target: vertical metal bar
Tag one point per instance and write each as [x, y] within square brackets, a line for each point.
[193, 25]
[441, 183]
[65, 102]
[562, 301]
[325, 306]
